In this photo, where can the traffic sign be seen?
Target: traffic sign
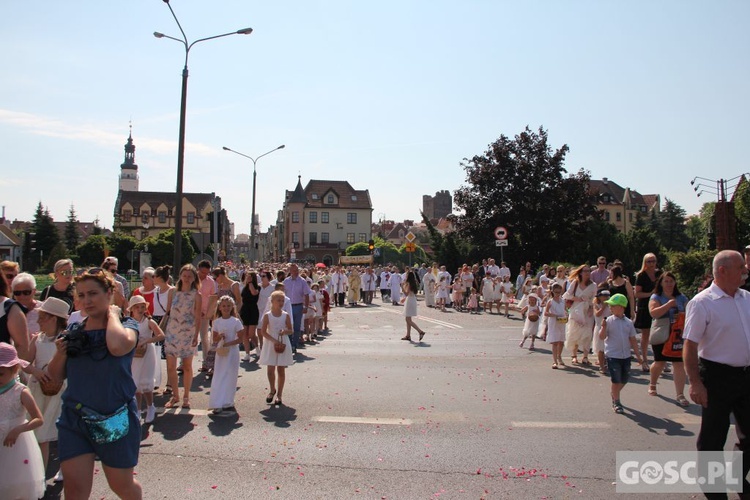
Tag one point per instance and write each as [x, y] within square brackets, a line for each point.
[410, 237]
[501, 243]
[410, 247]
[501, 233]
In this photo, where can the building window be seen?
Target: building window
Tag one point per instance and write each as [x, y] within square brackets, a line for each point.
[643, 209]
[618, 217]
[126, 215]
[606, 216]
[295, 216]
[314, 196]
[354, 197]
[136, 212]
[144, 219]
[329, 200]
[153, 212]
[162, 217]
[295, 239]
[324, 217]
[349, 238]
[313, 216]
[191, 217]
[325, 237]
[313, 238]
[362, 237]
[351, 218]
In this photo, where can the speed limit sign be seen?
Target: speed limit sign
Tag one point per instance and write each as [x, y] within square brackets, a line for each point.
[501, 233]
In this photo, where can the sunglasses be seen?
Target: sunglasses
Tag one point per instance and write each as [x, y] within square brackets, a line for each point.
[22, 292]
[10, 276]
[66, 273]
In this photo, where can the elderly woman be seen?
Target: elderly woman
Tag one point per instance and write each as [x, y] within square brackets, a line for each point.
[62, 288]
[9, 269]
[24, 289]
[98, 371]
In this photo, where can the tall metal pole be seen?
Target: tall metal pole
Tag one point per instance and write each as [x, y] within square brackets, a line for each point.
[253, 253]
[177, 262]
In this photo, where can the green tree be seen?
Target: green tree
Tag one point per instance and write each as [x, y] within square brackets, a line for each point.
[697, 232]
[691, 269]
[521, 184]
[360, 248]
[91, 251]
[97, 229]
[639, 242]
[71, 231]
[58, 252]
[119, 245]
[436, 238]
[598, 238]
[671, 227]
[45, 236]
[161, 247]
[742, 211]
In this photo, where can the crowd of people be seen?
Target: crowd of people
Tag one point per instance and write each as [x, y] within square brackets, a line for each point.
[90, 351]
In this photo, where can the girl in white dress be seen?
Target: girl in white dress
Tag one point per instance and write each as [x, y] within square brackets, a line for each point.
[144, 367]
[53, 316]
[227, 332]
[601, 312]
[532, 311]
[557, 317]
[488, 293]
[21, 466]
[441, 295]
[276, 326]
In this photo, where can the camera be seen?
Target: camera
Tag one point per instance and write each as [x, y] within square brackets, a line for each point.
[77, 343]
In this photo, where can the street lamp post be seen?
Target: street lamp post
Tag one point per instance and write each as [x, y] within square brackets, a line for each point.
[252, 215]
[181, 145]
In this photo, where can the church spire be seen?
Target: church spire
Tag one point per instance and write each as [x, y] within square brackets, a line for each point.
[128, 168]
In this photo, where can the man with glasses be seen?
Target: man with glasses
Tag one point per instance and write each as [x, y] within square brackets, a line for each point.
[601, 273]
[110, 264]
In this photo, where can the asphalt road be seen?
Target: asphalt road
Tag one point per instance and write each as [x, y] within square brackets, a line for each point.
[463, 414]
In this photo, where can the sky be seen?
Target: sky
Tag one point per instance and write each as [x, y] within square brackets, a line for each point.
[389, 96]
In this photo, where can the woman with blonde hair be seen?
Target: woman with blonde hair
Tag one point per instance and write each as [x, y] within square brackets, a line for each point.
[580, 326]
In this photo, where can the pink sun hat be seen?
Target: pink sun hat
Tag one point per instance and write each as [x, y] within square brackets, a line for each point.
[9, 357]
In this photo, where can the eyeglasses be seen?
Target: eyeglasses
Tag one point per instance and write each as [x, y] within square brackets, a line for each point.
[66, 273]
[22, 292]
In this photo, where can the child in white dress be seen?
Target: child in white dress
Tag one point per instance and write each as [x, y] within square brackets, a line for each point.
[227, 330]
[21, 466]
[53, 316]
[276, 326]
[557, 317]
[441, 295]
[601, 313]
[144, 359]
[531, 324]
[488, 293]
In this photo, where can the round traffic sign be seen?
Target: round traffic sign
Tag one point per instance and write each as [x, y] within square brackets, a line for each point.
[501, 233]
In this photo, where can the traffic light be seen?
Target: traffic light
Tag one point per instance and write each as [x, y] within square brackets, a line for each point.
[32, 241]
[371, 245]
[212, 228]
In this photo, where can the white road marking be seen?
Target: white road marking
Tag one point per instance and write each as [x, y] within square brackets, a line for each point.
[363, 420]
[684, 418]
[560, 425]
[452, 326]
[179, 411]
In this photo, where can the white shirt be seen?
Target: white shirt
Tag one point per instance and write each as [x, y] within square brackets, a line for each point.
[503, 271]
[720, 325]
[494, 271]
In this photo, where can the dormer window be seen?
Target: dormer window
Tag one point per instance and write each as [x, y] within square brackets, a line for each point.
[314, 196]
[354, 197]
[329, 199]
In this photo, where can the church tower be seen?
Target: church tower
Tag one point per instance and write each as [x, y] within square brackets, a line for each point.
[128, 169]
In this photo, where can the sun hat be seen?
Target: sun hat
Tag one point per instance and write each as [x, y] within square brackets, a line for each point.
[55, 307]
[535, 296]
[603, 293]
[9, 356]
[135, 300]
[618, 299]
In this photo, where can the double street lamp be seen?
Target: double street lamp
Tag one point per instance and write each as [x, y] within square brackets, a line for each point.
[181, 145]
[252, 215]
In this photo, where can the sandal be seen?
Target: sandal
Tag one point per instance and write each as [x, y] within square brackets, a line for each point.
[406, 338]
[645, 368]
[574, 360]
[186, 403]
[585, 361]
[172, 403]
[682, 400]
[652, 390]
[278, 402]
[167, 390]
[554, 366]
[421, 335]
[269, 398]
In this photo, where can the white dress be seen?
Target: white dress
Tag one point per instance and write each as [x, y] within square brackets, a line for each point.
[555, 328]
[50, 406]
[488, 290]
[442, 291]
[580, 334]
[144, 369]
[598, 344]
[410, 309]
[268, 356]
[21, 466]
[226, 368]
[530, 328]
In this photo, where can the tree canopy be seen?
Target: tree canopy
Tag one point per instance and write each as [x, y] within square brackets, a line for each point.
[522, 184]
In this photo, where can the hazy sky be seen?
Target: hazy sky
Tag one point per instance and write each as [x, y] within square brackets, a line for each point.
[387, 95]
